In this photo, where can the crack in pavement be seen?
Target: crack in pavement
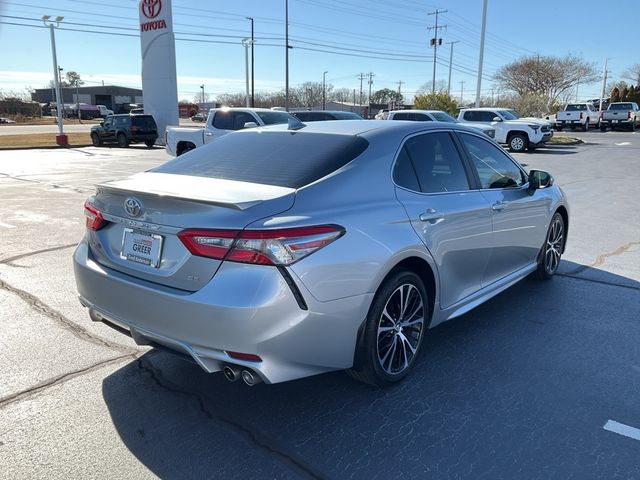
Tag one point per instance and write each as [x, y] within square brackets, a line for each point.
[602, 282]
[52, 185]
[292, 461]
[78, 331]
[600, 259]
[60, 379]
[9, 260]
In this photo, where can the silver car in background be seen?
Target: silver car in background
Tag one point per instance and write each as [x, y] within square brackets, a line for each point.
[281, 252]
[435, 116]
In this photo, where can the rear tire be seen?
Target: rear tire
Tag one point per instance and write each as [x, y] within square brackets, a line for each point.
[518, 143]
[394, 329]
[551, 252]
[95, 140]
[149, 143]
[122, 140]
[585, 127]
[603, 128]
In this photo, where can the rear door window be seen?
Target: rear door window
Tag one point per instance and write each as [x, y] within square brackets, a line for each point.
[437, 163]
[223, 120]
[285, 159]
[145, 122]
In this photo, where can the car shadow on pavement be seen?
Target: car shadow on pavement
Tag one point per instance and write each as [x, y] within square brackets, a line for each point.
[519, 386]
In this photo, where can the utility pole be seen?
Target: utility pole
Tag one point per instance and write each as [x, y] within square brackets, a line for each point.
[604, 82]
[435, 41]
[370, 75]
[450, 63]
[482, 34]
[361, 77]
[400, 82]
[202, 96]
[62, 138]
[253, 40]
[286, 57]
[461, 92]
[324, 89]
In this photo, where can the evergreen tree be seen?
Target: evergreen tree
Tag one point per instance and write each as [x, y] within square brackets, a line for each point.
[624, 94]
[615, 95]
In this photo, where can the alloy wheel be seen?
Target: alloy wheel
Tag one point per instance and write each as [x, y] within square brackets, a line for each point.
[400, 329]
[554, 246]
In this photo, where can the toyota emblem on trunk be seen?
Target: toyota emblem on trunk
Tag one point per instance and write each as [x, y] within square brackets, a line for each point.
[132, 207]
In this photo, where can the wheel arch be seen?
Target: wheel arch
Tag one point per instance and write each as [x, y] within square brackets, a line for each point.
[562, 210]
[182, 145]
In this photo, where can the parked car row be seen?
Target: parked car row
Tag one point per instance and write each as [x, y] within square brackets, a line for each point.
[623, 115]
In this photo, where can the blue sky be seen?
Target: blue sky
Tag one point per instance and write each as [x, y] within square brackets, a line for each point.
[357, 32]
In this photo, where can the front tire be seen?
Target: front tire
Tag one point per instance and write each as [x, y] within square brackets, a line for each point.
[149, 143]
[518, 143]
[122, 140]
[603, 127]
[585, 127]
[95, 140]
[394, 330]
[552, 249]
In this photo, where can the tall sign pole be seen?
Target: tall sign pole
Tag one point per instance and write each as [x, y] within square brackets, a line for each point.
[482, 34]
[158, 49]
[604, 83]
[450, 64]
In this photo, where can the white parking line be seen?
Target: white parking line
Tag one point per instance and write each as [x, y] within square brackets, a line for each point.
[622, 429]
[7, 225]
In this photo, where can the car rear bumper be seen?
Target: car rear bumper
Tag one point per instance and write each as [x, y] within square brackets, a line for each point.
[244, 308]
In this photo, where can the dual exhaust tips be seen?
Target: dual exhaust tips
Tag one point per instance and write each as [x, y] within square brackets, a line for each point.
[233, 373]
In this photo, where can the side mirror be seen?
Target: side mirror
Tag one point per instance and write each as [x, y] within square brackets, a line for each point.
[102, 124]
[496, 119]
[539, 179]
[250, 124]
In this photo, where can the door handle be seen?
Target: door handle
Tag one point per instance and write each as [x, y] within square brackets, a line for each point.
[208, 134]
[431, 215]
[499, 206]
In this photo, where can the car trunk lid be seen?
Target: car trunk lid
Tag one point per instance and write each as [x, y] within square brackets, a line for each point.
[145, 213]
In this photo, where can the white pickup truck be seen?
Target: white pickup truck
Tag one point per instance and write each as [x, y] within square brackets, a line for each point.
[620, 114]
[220, 121]
[436, 116]
[519, 134]
[578, 114]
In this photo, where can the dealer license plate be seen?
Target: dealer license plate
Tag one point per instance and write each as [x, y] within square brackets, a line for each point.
[140, 247]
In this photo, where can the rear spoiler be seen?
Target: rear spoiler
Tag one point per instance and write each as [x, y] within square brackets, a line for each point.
[213, 191]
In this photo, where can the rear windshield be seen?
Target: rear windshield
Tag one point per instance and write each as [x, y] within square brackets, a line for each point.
[575, 108]
[284, 159]
[620, 106]
[144, 121]
[346, 116]
[274, 117]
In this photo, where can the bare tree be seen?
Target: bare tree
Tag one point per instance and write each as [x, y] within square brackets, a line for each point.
[341, 95]
[632, 74]
[546, 76]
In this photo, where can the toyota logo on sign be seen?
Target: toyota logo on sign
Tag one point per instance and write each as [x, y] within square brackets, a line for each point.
[132, 207]
[151, 8]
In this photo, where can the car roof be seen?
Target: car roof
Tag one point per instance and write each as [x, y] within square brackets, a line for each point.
[366, 127]
[246, 109]
[418, 111]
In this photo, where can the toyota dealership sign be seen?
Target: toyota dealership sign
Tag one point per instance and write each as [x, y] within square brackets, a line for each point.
[159, 81]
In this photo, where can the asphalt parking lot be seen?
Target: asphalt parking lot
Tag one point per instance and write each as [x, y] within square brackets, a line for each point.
[521, 387]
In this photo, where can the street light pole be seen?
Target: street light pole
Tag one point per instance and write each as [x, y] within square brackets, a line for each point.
[480, 61]
[253, 40]
[450, 63]
[286, 57]
[61, 140]
[202, 96]
[324, 89]
[246, 43]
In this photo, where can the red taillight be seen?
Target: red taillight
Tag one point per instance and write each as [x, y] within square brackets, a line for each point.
[263, 247]
[629, 115]
[208, 243]
[94, 219]
[134, 128]
[601, 115]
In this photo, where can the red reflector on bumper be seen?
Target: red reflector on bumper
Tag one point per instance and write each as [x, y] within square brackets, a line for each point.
[249, 357]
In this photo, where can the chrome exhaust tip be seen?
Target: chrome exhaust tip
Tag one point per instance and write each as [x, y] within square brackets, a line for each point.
[250, 378]
[231, 373]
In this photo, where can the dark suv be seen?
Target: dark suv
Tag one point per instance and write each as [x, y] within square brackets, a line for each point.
[320, 115]
[125, 129]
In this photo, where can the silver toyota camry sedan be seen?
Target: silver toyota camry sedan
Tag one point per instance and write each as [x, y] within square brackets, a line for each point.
[281, 252]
